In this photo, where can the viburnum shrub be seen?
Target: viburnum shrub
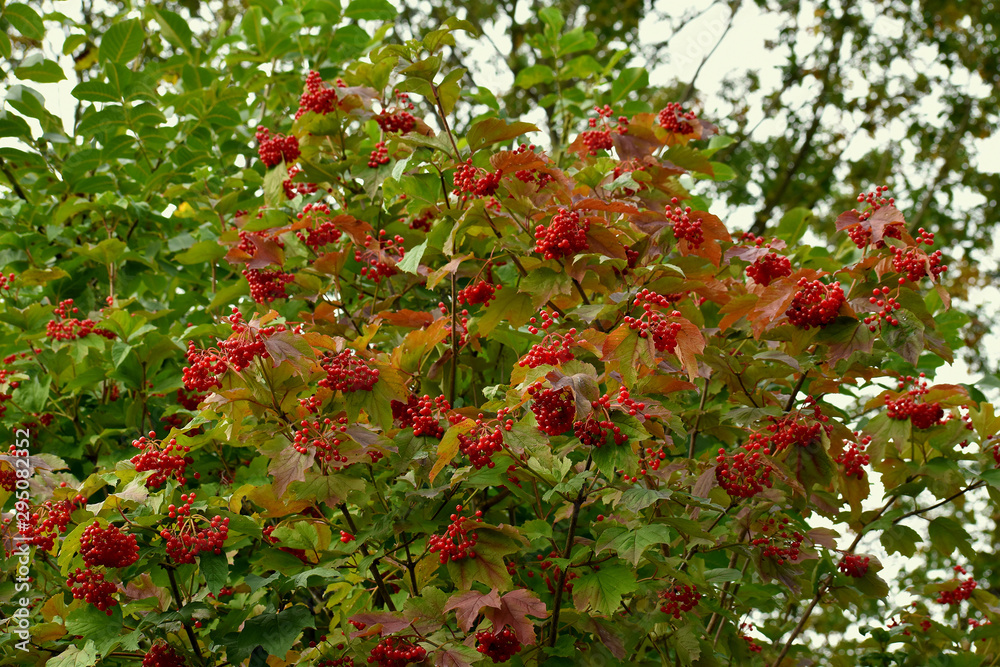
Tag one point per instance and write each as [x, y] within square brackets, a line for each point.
[666, 442]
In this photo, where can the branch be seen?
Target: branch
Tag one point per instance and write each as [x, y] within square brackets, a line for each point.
[187, 628]
[689, 91]
[373, 568]
[947, 500]
[697, 420]
[13, 180]
[554, 632]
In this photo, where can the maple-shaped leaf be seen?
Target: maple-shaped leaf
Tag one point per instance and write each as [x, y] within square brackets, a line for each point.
[448, 447]
[456, 655]
[602, 590]
[380, 623]
[515, 607]
[736, 308]
[488, 566]
[610, 637]
[468, 605]
[583, 386]
[409, 319]
[142, 587]
[690, 343]
[289, 466]
[513, 161]
[603, 240]
[640, 141]
[267, 252]
[844, 339]
[356, 229]
[286, 346]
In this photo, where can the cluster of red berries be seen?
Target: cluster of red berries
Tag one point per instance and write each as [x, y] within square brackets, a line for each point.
[484, 442]
[323, 436]
[861, 234]
[380, 256]
[745, 474]
[795, 429]
[202, 373]
[267, 285]
[398, 121]
[853, 458]
[49, 519]
[379, 156]
[651, 322]
[6, 282]
[554, 409]
[678, 599]
[685, 227]
[651, 459]
[109, 546]
[887, 305]
[769, 267]
[553, 573]
[184, 399]
[422, 221]
[458, 541]
[91, 586]
[916, 263]
[593, 432]
[500, 645]
[597, 140]
[293, 188]
[396, 652]
[420, 414]
[782, 545]
[187, 540]
[815, 304]
[162, 654]
[853, 565]
[961, 592]
[673, 118]
[554, 348]
[71, 328]
[566, 235]
[171, 461]
[481, 292]
[316, 98]
[875, 201]
[347, 372]
[318, 235]
[272, 150]
[471, 181]
[921, 415]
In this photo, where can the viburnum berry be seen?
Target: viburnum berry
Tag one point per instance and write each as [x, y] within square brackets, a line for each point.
[274, 150]
[853, 458]
[321, 231]
[47, 521]
[499, 645]
[596, 140]
[673, 118]
[380, 256]
[162, 654]
[399, 121]
[921, 415]
[778, 542]
[316, 98]
[746, 473]
[963, 591]
[458, 541]
[396, 652]
[554, 348]
[853, 565]
[169, 462]
[483, 442]
[554, 409]
[347, 372]
[653, 323]
[751, 642]
[471, 181]
[379, 156]
[566, 235]
[419, 413]
[686, 227]
[90, 585]
[678, 599]
[915, 263]
[346, 537]
[267, 285]
[187, 539]
[629, 167]
[71, 328]
[861, 233]
[769, 267]
[815, 305]
[481, 292]
[109, 546]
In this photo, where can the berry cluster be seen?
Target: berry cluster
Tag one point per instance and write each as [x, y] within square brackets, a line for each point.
[90, 585]
[293, 188]
[916, 263]
[71, 328]
[481, 292]
[593, 432]
[768, 267]
[184, 399]
[921, 415]
[267, 285]
[458, 541]
[171, 461]
[49, 519]
[422, 221]
[346, 537]
[396, 652]
[861, 234]
[745, 474]
[553, 573]
[316, 98]
[815, 304]
[484, 442]
[188, 540]
[109, 546]
[419, 413]
[597, 140]
[500, 645]
[650, 459]
[469, 183]
[566, 235]
[6, 282]
[961, 592]
[678, 599]
[853, 565]
[887, 305]
[321, 234]
[554, 409]
[398, 121]
[272, 150]
[380, 256]
[751, 642]
[462, 320]
[794, 429]
[651, 322]
[554, 348]
[325, 437]
[685, 227]
[673, 118]
[379, 156]
[782, 546]
[853, 458]
[347, 372]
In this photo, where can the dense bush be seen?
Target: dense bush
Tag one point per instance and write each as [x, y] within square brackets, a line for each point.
[395, 393]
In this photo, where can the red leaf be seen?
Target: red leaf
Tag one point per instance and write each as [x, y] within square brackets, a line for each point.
[268, 252]
[882, 218]
[467, 606]
[353, 227]
[592, 204]
[379, 623]
[515, 607]
[410, 319]
[603, 240]
[690, 342]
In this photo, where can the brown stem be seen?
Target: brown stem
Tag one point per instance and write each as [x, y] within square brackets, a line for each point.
[697, 420]
[921, 510]
[577, 504]
[454, 344]
[795, 392]
[187, 627]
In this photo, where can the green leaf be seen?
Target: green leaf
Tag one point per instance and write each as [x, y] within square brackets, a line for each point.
[95, 624]
[96, 91]
[74, 656]
[276, 633]
[119, 353]
[201, 252]
[373, 10]
[25, 20]
[510, 305]
[553, 18]
[628, 79]
[174, 28]
[411, 261]
[41, 70]
[215, 568]
[723, 172]
[794, 224]
[533, 75]
[492, 130]
[602, 590]
[901, 539]
[274, 185]
[947, 535]
[634, 543]
[575, 40]
[122, 42]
